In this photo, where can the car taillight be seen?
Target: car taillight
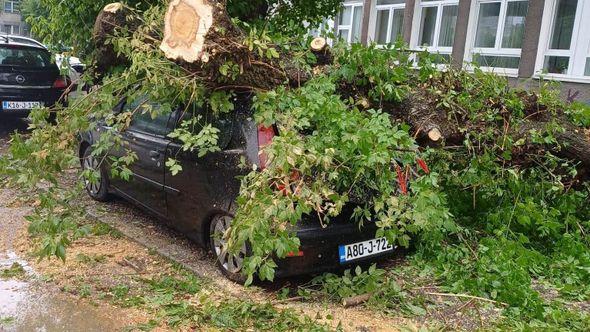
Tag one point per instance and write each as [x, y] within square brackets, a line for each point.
[265, 136]
[60, 83]
[295, 254]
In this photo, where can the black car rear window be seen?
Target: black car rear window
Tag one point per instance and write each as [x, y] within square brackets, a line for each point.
[22, 56]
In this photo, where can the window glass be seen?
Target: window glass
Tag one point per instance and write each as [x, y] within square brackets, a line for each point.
[438, 58]
[397, 25]
[428, 26]
[356, 24]
[345, 15]
[514, 24]
[390, 2]
[24, 57]
[202, 117]
[11, 6]
[390, 21]
[497, 61]
[349, 24]
[448, 23]
[567, 44]
[343, 34]
[382, 25]
[487, 24]
[557, 64]
[142, 119]
[563, 26]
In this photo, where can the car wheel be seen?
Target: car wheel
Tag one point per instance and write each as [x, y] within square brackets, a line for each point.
[230, 264]
[98, 190]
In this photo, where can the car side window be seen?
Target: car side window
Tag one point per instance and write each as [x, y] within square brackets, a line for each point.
[142, 119]
[222, 122]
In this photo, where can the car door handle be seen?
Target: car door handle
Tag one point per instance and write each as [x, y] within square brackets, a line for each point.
[154, 154]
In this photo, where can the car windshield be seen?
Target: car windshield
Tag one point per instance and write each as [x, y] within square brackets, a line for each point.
[23, 56]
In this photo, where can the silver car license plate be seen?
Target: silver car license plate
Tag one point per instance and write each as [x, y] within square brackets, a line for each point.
[20, 105]
[351, 252]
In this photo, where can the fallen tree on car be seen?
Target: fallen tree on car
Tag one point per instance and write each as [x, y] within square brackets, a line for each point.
[497, 176]
[200, 37]
[474, 114]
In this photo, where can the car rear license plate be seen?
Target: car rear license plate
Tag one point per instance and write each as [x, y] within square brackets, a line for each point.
[351, 252]
[20, 105]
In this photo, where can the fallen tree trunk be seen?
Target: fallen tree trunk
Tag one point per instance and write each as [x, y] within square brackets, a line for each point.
[200, 35]
[113, 16]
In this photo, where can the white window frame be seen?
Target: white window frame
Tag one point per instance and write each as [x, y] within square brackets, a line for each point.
[348, 27]
[13, 4]
[13, 27]
[373, 25]
[417, 26]
[498, 50]
[579, 48]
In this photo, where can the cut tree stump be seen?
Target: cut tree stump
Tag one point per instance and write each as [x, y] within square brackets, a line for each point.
[201, 37]
[187, 23]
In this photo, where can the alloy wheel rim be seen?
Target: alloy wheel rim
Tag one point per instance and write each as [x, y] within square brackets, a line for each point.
[93, 187]
[231, 262]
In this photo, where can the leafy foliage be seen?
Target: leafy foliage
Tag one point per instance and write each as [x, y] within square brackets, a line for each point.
[498, 212]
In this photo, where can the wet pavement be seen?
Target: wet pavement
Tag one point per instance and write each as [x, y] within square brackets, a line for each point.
[26, 302]
[30, 306]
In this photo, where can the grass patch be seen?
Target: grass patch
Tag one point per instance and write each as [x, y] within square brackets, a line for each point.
[101, 229]
[91, 260]
[7, 321]
[15, 271]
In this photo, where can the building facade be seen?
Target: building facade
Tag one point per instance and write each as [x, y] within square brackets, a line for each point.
[521, 39]
[11, 20]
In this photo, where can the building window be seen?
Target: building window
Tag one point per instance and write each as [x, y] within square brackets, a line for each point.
[349, 22]
[11, 6]
[326, 27]
[438, 20]
[10, 29]
[567, 39]
[390, 21]
[499, 32]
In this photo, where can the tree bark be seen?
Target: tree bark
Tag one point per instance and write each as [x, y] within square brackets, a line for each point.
[113, 16]
[201, 37]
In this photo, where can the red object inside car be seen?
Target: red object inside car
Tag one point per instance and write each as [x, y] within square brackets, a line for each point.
[265, 136]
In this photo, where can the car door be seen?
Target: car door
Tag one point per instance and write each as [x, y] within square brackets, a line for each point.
[147, 138]
[206, 185]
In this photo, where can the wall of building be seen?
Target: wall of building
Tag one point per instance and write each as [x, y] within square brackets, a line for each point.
[535, 26]
[570, 91]
[12, 22]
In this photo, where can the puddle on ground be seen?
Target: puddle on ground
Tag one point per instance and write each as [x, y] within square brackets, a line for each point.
[28, 305]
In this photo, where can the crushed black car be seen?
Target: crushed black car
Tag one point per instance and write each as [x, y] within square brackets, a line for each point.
[200, 200]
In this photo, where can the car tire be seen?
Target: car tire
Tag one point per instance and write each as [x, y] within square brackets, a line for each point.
[231, 266]
[97, 191]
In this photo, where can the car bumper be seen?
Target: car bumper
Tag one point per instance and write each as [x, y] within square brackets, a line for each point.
[320, 249]
[48, 97]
